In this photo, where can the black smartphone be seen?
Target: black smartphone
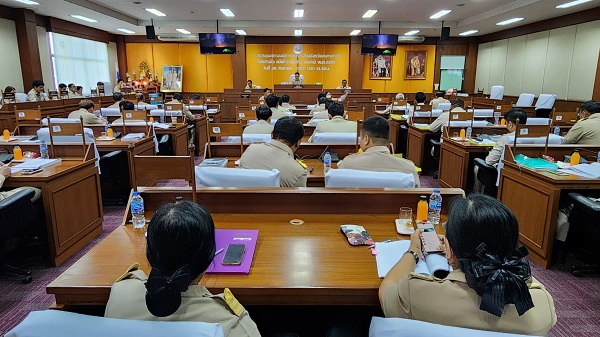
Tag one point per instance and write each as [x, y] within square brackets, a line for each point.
[234, 254]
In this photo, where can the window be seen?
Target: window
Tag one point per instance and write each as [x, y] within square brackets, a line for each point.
[452, 72]
[79, 61]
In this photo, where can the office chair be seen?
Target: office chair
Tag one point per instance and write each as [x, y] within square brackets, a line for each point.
[487, 175]
[114, 179]
[584, 233]
[436, 155]
[403, 140]
[165, 147]
[18, 214]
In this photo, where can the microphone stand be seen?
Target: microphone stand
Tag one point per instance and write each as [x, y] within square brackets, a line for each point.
[321, 156]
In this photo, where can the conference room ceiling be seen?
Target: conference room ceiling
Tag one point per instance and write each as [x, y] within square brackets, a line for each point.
[321, 18]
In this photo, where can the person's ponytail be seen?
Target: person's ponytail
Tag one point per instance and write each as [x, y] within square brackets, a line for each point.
[163, 292]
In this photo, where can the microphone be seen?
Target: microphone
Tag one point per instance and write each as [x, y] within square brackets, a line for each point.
[321, 156]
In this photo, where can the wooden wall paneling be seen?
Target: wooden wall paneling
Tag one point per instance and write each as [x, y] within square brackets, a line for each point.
[443, 50]
[470, 68]
[355, 77]
[29, 53]
[73, 29]
[239, 63]
[121, 55]
[7, 13]
[596, 93]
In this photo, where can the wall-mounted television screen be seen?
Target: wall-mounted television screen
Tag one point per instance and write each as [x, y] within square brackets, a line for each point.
[216, 43]
[379, 44]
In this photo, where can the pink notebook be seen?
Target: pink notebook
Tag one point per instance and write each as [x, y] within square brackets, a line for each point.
[225, 237]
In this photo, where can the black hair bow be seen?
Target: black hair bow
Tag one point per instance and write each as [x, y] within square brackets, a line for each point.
[499, 282]
[176, 282]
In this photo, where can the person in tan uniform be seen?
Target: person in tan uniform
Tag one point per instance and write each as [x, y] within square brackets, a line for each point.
[337, 123]
[180, 247]
[285, 102]
[512, 117]
[266, 93]
[374, 138]
[178, 99]
[279, 153]
[139, 101]
[262, 125]
[321, 100]
[491, 287]
[439, 98]
[586, 131]
[73, 91]
[124, 106]
[117, 98]
[442, 120]
[320, 116]
[37, 93]
[86, 110]
[273, 103]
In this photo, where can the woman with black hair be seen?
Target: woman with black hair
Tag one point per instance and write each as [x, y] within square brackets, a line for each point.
[180, 247]
[491, 287]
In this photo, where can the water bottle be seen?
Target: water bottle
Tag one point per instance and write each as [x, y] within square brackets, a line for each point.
[496, 120]
[44, 150]
[435, 207]
[137, 211]
[557, 130]
[327, 162]
[105, 125]
[469, 132]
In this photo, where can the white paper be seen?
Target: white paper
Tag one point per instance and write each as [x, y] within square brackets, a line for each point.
[584, 170]
[391, 252]
[34, 164]
[132, 136]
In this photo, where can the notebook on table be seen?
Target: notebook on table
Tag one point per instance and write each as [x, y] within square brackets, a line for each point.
[391, 252]
[226, 237]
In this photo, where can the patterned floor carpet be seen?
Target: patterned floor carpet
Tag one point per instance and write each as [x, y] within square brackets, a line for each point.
[577, 300]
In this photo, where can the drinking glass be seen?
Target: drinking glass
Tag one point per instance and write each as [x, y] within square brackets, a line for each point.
[405, 216]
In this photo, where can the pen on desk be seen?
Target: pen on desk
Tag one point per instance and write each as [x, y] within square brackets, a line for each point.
[219, 251]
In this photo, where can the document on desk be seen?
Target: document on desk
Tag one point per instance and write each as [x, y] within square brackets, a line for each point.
[34, 164]
[584, 170]
[133, 136]
[391, 252]
[421, 126]
[226, 237]
[162, 125]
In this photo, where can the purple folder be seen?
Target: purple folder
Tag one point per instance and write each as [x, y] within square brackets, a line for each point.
[225, 237]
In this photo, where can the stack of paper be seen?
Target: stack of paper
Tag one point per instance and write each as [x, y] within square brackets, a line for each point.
[584, 170]
[133, 136]
[391, 252]
[34, 164]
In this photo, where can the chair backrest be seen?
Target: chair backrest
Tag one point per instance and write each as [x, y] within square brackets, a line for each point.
[334, 138]
[525, 100]
[236, 177]
[55, 323]
[114, 112]
[368, 179]
[225, 130]
[444, 106]
[393, 327]
[532, 131]
[460, 119]
[27, 117]
[545, 101]
[354, 115]
[64, 128]
[538, 121]
[8, 97]
[149, 168]
[244, 116]
[399, 102]
[172, 107]
[497, 92]
[133, 118]
[293, 77]
[196, 102]
[385, 99]
[211, 100]
[250, 138]
[563, 118]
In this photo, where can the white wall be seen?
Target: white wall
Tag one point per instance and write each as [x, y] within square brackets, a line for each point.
[9, 54]
[561, 61]
[45, 58]
[112, 60]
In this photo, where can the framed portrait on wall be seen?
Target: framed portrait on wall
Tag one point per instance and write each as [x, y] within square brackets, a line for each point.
[381, 67]
[415, 65]
[172, 77]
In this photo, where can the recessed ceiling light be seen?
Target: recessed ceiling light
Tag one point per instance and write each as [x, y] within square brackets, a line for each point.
[298, 32]
[355, 32]
[183, 31]
[155, 11]
[80, 17]
[298, 13]
[28, 2]
[240, 32]
[227, 12]
[440, 14]
[370, 13]
[509, 21]
[412, 32]
[572, 3]
[469, 32]
[127, 31]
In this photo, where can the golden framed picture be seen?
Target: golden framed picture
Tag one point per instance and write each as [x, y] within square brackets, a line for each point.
[415, 65]
[381, 67]
[172, 77]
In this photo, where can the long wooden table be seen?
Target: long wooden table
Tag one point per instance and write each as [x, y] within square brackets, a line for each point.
[68, 186]
[303, 264]
[533, 196]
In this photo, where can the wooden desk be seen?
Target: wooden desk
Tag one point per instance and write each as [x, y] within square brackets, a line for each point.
[68, 186]
[457, 162]
[179, 138]
[142, 147]
[232, 150]
[533, 196]
[292, 265]
[419, 147]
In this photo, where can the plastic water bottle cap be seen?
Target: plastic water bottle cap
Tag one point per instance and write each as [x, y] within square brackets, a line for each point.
[136, 193]
[436, 191]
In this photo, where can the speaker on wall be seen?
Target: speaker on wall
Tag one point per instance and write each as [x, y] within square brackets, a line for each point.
[445, 34]
[150, 33]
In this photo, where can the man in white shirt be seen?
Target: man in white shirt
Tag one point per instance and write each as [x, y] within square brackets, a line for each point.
[37, 93]
[344, 85]
[297, 79]
[86, 110]
[439, 98]
[117, 98]
[73, 91]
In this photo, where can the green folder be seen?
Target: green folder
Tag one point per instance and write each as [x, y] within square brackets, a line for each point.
[534, 163]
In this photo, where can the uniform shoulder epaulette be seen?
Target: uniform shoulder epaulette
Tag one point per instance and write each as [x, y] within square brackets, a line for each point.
[424, 277]
[127, 274]
[233, 304]
[536, 285]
